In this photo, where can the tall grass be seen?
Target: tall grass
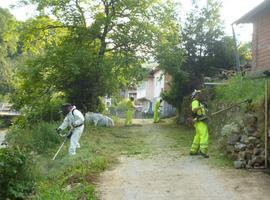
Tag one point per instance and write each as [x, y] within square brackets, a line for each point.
[37, 138]
[240, 88]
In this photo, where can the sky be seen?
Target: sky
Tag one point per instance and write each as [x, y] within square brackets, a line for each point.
[230, 12]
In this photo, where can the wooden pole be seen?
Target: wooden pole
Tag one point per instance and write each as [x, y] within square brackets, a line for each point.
[266, 121]
[236, 54]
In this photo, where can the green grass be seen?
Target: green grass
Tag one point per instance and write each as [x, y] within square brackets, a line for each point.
[100, 148]
[75, 177]
[240, 88]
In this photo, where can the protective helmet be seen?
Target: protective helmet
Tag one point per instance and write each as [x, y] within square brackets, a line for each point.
[194, 93]
[66, 108]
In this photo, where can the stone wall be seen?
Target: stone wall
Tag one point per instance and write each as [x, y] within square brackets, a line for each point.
[242, 141]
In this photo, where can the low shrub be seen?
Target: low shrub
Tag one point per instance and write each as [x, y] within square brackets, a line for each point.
[38, 138]
[15, 181]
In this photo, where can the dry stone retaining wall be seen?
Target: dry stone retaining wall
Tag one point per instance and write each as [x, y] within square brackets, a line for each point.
[242, 141]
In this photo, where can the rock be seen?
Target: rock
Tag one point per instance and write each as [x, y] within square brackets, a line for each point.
[233, 156]
[251, 130]
[229, 149]
[258, 145]
[251, 163]
[249, 155]
[233, 139]
[250, 119]
[250, 146]
[248, 166]
[238, 164]
[241, 124]
[244, 139]
[257, 134]
[222, 141]
[256, 151]
[257, 141]
[229, 129]
[68, 188]
[240, 146]
[254, 134]
[252, 139]
[242, 156]
[258, 159]
[256, 165]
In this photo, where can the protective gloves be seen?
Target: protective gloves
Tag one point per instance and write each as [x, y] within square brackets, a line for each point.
[69, 134]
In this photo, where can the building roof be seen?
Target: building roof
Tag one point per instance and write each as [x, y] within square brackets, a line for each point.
[251, 15]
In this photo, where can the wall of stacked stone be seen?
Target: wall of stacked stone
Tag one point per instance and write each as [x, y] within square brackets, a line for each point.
[243, 142]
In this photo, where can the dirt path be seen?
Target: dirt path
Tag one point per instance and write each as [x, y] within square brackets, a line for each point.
[172, 175]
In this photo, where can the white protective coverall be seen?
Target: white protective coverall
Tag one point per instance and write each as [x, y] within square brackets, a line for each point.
[75, 120]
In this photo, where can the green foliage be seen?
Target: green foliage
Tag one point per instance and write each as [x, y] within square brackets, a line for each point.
[240, 88]
[8, 49]
[202, 34]
[34, 97]
[170, 55]
[35, 34]
[200, 49]
[181, 86]
[244, 50]
[15, 181]
[122, 106]
[53, 191]
[85, 62]
[101, 105]
[99, 164]
[37, 137]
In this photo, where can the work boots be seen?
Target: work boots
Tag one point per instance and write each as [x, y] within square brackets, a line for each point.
[199, 154]
[204, 155]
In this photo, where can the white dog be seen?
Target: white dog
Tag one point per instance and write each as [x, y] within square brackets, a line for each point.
[98, 119]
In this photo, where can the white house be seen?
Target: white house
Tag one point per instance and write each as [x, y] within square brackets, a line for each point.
[150, 89]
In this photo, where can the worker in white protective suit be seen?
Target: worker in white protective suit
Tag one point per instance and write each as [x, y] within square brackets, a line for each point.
[75, 120]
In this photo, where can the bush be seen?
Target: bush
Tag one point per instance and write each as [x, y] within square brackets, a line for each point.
[122, 106]
[15, 182]
[5, 122]
[100, 106]
[39, 138]
[45, 109]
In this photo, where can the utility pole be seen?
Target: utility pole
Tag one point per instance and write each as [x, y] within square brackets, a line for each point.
[236, 55]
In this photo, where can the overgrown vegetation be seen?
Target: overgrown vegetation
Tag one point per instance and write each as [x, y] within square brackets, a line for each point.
[15, 180]
[60, 56]
[200, 49]
[38, 138]
[239, 88]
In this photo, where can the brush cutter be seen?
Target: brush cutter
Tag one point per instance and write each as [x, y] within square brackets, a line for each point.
[66, 136]
[225, 109]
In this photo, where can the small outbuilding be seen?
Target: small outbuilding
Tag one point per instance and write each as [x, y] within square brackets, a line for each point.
[260, 18]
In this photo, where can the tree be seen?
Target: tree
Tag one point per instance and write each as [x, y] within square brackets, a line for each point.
[170, 56]
[244, 50]
[8, 48]
[104, 46]
[202, 33]
[194, 50]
